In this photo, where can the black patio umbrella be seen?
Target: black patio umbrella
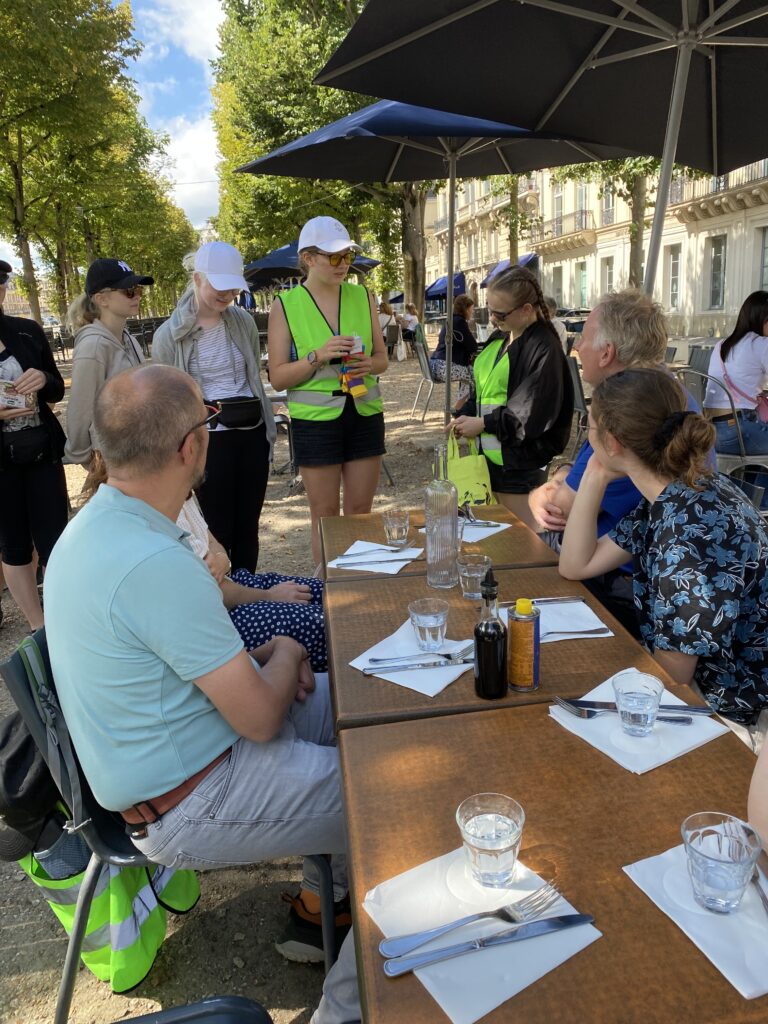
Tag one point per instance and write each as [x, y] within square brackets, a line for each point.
[680, 80]
[400, 142]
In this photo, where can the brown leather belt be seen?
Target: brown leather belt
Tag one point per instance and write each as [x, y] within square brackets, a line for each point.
[145, 812]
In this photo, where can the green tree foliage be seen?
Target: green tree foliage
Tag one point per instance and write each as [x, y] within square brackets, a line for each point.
[78, 165]
[264, 98]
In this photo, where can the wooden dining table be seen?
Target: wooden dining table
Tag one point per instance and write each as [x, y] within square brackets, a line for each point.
[586, 818]
[509, 548]
[360, 614]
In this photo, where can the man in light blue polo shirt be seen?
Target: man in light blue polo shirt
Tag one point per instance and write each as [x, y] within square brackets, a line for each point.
[211, 759]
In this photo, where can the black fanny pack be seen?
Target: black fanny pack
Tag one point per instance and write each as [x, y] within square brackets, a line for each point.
[239, 412]
[28, 446]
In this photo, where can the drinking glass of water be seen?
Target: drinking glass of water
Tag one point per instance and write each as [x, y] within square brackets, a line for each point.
[637, 700]
[722, 852]
[472, 570]
[396, 524]
[491, 827]
[429, 618]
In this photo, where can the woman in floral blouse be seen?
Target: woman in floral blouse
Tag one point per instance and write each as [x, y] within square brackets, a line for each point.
[700, 549]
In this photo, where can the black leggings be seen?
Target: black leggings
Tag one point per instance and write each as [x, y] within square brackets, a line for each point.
[236, 473]
[33, 510]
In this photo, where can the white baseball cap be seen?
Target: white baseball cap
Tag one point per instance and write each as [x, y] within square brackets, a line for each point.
[326, 234]
[222, 264]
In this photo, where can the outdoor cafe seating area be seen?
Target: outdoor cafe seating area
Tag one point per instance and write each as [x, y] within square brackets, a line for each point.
[602, 811]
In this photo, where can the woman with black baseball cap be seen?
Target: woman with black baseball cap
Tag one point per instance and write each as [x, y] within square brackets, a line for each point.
[103, 345]
[33, 489]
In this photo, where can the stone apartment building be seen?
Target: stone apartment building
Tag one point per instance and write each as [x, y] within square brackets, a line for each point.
[714, 247]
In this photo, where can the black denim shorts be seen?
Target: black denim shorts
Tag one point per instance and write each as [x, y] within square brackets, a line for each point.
[333, 442]
[515, 481]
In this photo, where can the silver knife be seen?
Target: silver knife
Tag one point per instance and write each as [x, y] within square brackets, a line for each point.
[545, 600]
[375, 670]
[404, 964]
[609, 705]
[379, 561]
[482, 524]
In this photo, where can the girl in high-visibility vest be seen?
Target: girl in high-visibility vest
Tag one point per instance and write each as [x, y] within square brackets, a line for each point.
[524, 397]
[326, 349]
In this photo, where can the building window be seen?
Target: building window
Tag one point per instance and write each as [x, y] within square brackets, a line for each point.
[764, 262]
[608, 209]
[581, 285]
[557, 285]
[717, 271]
[471, 250]
[606, 275]
[581, 206]
[674, 277]
[557, 210]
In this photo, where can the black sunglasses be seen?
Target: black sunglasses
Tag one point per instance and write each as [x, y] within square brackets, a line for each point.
[503, 316]
[209, 421]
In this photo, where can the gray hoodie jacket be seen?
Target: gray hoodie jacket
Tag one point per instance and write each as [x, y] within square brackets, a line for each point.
[175, 341]
[98, 356]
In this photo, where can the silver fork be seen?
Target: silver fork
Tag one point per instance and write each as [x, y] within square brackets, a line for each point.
[523, 910]
[599, 631]
[591, 713]
[452, 656]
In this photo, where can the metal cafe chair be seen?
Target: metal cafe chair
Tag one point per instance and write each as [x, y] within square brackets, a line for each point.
[426, 377]
[104, 832]
[580, 406]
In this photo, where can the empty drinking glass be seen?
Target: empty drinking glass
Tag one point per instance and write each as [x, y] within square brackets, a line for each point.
[396, 523]
[721, 852]
[637, 700]
[491, 827]
[472, 570]
[429, 618]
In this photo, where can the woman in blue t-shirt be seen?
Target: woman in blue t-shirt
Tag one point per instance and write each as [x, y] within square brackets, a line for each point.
[700, 549]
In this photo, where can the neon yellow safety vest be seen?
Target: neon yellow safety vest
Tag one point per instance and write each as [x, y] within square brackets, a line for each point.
[127, 920]
[321, 398]
[491, 383]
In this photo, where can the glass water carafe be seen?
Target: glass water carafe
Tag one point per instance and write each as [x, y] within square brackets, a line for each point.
[441, 520]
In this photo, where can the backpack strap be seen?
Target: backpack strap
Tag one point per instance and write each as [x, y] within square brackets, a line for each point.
[729, 382]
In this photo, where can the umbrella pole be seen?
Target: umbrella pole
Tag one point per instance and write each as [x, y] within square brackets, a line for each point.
[674, 117]
[449, 282]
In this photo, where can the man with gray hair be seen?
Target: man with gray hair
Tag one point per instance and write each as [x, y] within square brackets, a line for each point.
[625, 329]
[211, 756]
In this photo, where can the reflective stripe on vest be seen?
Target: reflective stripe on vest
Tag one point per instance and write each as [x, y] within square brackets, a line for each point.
[314, 399]
[491, 383]
[126, 924]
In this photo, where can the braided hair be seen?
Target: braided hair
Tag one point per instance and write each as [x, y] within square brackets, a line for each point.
[522, 286]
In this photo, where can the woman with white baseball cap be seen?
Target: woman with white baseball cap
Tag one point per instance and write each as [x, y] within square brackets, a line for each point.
[326, 349]
[103, 344]
[217, 344]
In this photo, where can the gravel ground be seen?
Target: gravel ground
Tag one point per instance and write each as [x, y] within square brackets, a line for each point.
[225, 945]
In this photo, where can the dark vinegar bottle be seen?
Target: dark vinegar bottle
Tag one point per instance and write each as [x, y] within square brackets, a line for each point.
[490, 645]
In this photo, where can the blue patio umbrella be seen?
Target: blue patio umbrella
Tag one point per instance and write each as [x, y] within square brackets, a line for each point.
[439, 288]
[528, 259]
[282, 267]
[391, 141]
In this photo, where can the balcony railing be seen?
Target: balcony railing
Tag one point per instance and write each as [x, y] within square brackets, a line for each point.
[684, 190]
[568, 224]
[608, 215]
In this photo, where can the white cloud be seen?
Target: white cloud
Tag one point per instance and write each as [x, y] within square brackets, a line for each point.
[193, 150]
[148, 90]
[191, 25]
[8, 253]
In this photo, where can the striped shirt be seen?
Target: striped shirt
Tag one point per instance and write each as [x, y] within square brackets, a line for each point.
[218, 366]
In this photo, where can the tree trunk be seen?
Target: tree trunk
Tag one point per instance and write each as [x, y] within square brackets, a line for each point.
[636, 231]
[61, 264]
[514, 221]
[20, 234]
[414, 245]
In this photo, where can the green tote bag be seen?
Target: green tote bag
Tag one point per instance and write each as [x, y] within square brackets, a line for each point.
[469, 473]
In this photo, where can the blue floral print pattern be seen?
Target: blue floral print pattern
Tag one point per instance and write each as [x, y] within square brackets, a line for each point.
[701, 587]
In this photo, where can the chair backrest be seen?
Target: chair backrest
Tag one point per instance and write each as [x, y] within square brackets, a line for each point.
[393, 333]
[419, 336]
[698, 358]
[102, 831]
[422, 354]
[752, 492]
[670, 353]
[579, 401]
[696, 383]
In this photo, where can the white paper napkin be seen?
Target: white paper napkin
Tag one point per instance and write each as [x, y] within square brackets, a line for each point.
[468, 987]
[389, 562]
[475, 533]
[638, 754]
[737, 944]
[569, 615]
[429, 681]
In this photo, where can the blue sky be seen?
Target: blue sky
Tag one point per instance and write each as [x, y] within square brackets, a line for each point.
[174, 79]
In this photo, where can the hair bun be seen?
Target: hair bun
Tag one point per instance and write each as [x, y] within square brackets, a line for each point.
[668, 429]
